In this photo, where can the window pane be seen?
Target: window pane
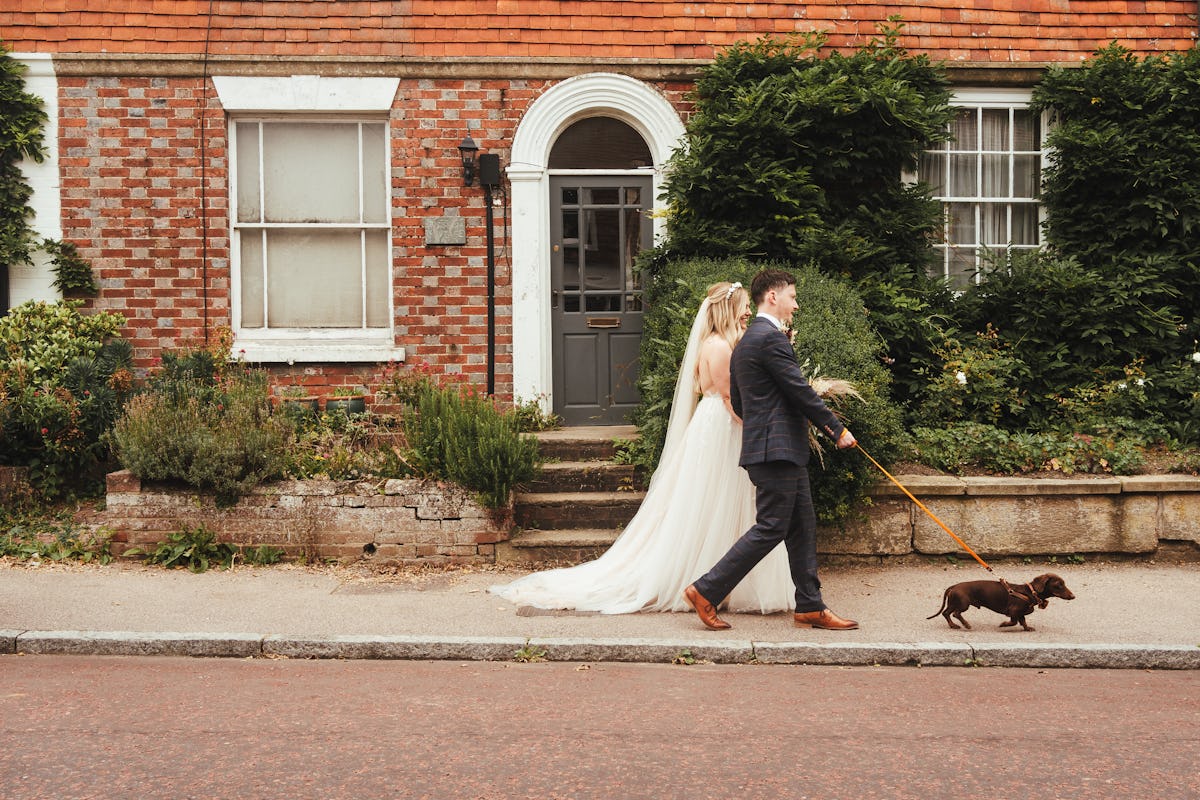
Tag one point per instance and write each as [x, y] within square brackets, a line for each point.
[1027, 176]
[252, 278]
[963, 176]
[995, 223]
[964, 129]
[314, 279]
[374, 171]
[931, 170]
[570, 197]
[1024, 224]
[995, 176]
[1026, 130]
[995, 129]
[249, 207]
[962, 267]
[962, 223]
[379, 279]
[632, 195]
[311, 172]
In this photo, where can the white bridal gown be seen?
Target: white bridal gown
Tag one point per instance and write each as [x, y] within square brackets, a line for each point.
[698, 503]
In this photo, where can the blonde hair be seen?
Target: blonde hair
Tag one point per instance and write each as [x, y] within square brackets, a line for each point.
[726, 304]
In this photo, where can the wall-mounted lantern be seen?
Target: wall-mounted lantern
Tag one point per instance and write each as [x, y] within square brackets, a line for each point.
[468, 150]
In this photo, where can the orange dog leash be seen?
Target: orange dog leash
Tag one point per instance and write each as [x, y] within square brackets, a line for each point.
[921, 505]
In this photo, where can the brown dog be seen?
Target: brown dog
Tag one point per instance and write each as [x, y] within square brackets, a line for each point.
[1012, 600]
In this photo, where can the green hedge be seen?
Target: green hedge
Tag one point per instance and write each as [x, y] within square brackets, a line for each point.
[834, 339]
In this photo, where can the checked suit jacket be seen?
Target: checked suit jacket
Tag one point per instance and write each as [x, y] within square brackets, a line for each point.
[776, 403]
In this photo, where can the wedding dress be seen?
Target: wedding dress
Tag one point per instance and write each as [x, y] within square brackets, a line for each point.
[698, 503]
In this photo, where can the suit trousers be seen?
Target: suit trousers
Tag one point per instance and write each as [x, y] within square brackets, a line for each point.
[784, 514]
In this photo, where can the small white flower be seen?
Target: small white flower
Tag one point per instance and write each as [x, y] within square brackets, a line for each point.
[1122, 386]
[1196, 357]
[1141, 381]
[961, 377]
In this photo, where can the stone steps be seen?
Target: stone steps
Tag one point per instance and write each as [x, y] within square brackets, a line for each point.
[578, 506]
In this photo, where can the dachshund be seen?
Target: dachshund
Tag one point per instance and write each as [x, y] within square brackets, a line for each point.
[1014, 601]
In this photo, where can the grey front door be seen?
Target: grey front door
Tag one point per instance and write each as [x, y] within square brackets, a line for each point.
[598, 225]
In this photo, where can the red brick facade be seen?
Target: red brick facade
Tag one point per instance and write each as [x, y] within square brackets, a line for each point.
[144, 160]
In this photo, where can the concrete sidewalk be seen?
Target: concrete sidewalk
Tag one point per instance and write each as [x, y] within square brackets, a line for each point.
[1126, 615]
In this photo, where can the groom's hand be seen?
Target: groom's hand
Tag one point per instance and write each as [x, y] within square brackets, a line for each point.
[846, 439]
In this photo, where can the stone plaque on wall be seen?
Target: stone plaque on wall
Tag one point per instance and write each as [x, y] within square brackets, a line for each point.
[445, 230]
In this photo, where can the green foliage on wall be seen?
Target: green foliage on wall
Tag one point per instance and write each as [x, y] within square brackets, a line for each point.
[22, 138]
[797, 156]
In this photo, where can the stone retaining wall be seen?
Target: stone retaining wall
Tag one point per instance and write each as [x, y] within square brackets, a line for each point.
[1023, 516]
[394, 520]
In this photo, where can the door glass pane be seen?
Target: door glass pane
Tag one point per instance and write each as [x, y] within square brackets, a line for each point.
[374, 170]
[602, 255]
[995, 129]
[314, 279]
[633, 243]
[570, 196]
[604, 302]
[248, 200]
[607, 196]
[570, 249]
[252, 278]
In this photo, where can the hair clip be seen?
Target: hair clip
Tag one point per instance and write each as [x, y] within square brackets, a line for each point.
[732, 288]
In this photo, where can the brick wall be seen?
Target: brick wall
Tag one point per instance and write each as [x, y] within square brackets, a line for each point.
[412, 521]
[1012, 31]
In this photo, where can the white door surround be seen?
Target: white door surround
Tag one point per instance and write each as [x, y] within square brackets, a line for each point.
[599, 94]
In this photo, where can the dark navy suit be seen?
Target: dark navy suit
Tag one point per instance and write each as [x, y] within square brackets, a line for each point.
[776, 404]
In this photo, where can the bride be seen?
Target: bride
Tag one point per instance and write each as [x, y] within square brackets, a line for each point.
[698, 503]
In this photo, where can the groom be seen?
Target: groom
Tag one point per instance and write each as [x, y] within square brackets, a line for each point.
[776, 404]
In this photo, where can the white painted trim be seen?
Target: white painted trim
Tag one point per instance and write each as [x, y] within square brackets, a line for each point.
[293, 352]
[36, 281]
[985, 97]
[636, 104]
[305, 93]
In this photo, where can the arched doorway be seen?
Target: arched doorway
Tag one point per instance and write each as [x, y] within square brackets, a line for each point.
[649, 129]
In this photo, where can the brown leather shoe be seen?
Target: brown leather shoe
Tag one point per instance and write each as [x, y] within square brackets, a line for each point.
[826, 620]
[704, 609]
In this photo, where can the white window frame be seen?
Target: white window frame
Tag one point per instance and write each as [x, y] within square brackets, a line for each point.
[1004, 99]
[301, 99]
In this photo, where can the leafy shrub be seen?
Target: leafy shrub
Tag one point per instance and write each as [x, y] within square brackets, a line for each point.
[1070, 325]
[33, 534]
[63, 379]
[195, 549]
[795, 154]
[1121, 192]
[834, 339]
[960, 447]
[978, 381]
[455, 434]
[216, 434]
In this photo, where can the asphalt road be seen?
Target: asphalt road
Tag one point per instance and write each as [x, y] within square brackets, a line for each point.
[164, 727]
